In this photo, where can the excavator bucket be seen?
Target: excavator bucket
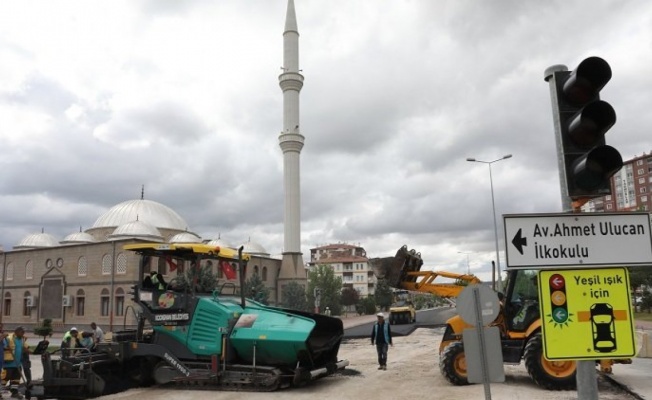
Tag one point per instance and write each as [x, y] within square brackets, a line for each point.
[395, 269]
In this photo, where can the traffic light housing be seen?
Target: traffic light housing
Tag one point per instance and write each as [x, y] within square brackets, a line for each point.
[558, 300]
[584, 120]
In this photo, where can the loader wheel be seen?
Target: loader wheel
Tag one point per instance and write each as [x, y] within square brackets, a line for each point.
[452, 364]
[551, 375]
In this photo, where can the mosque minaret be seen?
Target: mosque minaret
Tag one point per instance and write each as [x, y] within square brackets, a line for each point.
[291, 142]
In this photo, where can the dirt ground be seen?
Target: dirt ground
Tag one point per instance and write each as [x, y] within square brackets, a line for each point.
[412, 372]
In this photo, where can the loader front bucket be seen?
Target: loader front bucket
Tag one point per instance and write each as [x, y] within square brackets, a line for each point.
[395, 269]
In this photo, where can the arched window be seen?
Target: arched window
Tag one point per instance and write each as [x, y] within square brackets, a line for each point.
[10, 273]
[29, 270]
[7, 304]
[264, 274]
[104, 302]
[255, 269]
[121, 264]
[82, 266]
[119, 302]
[28, 303]
[106, 265]
[80, 303]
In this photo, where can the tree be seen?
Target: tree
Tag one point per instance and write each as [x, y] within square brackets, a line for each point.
[425, 300]
[383, 294]
[206, 279]
[293, 295]
[255, 289]
[45, 329]
[639, 276]
[366, 306]
[323, 278]
[349, 297]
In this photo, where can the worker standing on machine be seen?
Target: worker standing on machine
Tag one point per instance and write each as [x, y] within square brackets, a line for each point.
[15, 346]
[70, 341]
[157, 281]
[98, 333]
[381, 334]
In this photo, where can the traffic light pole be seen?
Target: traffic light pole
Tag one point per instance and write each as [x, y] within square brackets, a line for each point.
[566, 201]
[586, 377]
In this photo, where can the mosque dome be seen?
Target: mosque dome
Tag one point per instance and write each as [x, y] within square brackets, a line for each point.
[77, 238]
[219, 242]
[148, 211]
[136, 229]
[37, 240]
[254, 248]
[185, 237]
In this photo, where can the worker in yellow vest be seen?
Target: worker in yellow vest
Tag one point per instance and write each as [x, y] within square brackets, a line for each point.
[15, 349]
[70, 341]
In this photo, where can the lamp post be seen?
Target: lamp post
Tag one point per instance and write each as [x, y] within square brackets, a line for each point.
[493, 206]
[468, 266]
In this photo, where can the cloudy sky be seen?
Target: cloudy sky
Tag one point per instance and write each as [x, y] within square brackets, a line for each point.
[98, 98]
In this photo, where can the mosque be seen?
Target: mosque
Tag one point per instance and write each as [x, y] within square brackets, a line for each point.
[87, 276]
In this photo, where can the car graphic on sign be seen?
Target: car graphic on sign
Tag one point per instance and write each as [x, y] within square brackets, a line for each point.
[603, 327]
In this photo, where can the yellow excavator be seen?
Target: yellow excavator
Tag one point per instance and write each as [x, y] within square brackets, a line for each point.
[407, 277]
[519, 321]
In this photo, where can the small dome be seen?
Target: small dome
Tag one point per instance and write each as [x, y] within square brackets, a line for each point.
[37, 240]
[254, 248]
[78, 237]
[136, 229]
[151, 212]
[220, 243]
[185, 237]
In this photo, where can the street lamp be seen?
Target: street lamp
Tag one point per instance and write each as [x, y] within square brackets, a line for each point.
[493, 206]
[468, 266]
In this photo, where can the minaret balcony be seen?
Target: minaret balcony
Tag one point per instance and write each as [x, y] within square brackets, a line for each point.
[290, 141]
[291, 81]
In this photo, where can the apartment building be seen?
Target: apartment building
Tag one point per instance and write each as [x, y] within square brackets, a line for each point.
[631, 188]
[349, 262]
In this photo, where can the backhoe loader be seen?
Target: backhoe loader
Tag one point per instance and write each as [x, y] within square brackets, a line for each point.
[519, 322]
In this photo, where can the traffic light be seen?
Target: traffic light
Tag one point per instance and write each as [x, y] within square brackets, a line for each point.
[584, 120]
[559, 305]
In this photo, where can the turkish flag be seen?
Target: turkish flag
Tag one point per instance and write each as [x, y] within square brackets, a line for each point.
[228, 270]
[172, 264]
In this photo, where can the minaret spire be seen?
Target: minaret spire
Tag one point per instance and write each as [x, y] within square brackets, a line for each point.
[291, 18]
[291, 142]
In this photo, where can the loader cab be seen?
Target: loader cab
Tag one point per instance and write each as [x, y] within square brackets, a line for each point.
[521, 299]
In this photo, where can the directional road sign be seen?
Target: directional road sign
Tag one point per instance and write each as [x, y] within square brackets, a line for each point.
[586, 314]
[571, 240]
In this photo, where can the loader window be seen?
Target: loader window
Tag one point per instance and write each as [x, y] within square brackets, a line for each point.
[523, 308]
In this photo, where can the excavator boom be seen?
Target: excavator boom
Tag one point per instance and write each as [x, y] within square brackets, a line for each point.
[403, 271]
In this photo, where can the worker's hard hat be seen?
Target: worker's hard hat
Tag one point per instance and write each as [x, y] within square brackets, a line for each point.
[73, 329]
[381, 315]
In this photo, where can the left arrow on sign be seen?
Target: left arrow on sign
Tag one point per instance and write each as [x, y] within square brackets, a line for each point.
[519, 241]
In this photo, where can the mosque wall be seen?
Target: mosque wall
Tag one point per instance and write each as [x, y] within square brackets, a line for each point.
[75, 285]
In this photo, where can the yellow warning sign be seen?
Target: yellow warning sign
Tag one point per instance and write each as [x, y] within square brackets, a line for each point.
[586, 314]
